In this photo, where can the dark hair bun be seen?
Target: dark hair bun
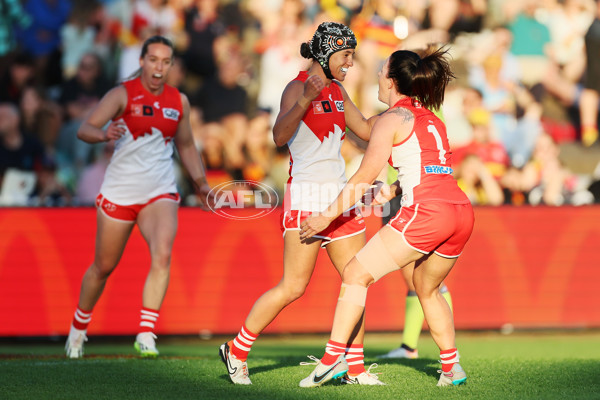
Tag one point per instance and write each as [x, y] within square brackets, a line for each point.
[305, 50]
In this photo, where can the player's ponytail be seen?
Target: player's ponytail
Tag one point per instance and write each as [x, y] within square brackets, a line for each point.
[424, 78]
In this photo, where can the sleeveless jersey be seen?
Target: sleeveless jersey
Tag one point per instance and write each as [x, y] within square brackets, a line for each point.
[141, 167]
[424, 160]
[317, 168]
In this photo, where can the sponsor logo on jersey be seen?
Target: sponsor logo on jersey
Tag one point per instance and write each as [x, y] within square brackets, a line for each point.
[136, 109]
[321, 107]
[139, 110]
[171, 113]
[437, 169]
[339, 105]
[148, 111]
[141, 96]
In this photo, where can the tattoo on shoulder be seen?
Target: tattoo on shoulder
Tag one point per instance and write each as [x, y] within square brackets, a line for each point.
[403, 113]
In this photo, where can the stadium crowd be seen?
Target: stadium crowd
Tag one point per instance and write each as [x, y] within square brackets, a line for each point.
[521, 115]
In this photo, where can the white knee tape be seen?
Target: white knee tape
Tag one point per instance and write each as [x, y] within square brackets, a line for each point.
[355, 294]
[376, 258]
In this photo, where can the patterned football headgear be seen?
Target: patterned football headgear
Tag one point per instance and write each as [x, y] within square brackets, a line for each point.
[330, 38]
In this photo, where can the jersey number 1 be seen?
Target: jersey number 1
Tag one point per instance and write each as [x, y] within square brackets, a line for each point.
[438, 142]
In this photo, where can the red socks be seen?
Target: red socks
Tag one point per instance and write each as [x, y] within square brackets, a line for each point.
[356, 359]
[242, 344]
[81, 319]
[148, 319]
[332, 352]
[449, 358]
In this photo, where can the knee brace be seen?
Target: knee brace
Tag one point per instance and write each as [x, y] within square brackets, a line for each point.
[376, 258]
[355, 294]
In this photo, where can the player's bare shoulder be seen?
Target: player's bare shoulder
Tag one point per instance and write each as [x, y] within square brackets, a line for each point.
[395, 117]
[396, 121]
[400, 114]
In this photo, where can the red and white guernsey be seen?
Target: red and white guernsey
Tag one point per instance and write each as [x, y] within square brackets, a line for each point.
[317, 168]
[141, 167]
[424, 161]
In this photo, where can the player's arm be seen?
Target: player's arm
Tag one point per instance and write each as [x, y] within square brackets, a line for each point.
[295, 100]
[357, 123]
[190, 158]
[112, 105]
[377, 154]
[382, 193]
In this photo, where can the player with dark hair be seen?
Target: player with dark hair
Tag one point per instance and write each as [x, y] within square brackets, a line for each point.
[433, 225]
[315, 111]
[146, 118]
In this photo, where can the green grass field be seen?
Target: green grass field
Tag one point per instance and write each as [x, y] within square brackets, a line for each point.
[535, 365]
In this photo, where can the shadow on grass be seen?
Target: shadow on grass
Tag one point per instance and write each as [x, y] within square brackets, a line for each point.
[429, 366]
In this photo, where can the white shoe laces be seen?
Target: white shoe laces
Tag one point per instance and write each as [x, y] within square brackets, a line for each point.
[373, 374]
[315, 360]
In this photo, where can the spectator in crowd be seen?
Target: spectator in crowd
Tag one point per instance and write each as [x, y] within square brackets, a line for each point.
[590, 98]
[202, 27]
[20, 73]
[568, 21]
[79, 95]
[21, 156]
[40, 117]
[457, 16]
[459, 102]
[17, 150]
[11, 15]
[545, 180]
[141, 20]
[504, 98]
[222, 105]
[41, 38]
[480, 186]
[84, 32]
[374, 27]
[489, 151]
[531, 53]
[279, 59]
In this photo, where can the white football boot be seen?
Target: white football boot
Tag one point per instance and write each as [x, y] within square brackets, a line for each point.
[74, 345]
[237, 369]
[324, 373]
[145, 344]
[401, 352]
[456, 376]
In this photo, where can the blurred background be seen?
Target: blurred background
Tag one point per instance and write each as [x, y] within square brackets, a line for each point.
[521, 118]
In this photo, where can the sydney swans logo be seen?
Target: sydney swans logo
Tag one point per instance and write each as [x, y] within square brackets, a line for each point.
[257, 198]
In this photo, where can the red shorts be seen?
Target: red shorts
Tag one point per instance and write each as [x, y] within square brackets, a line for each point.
[443, 228]
[340, 228]
[129, 213]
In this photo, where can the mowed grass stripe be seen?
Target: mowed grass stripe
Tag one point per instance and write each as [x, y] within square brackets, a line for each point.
[537, 365]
